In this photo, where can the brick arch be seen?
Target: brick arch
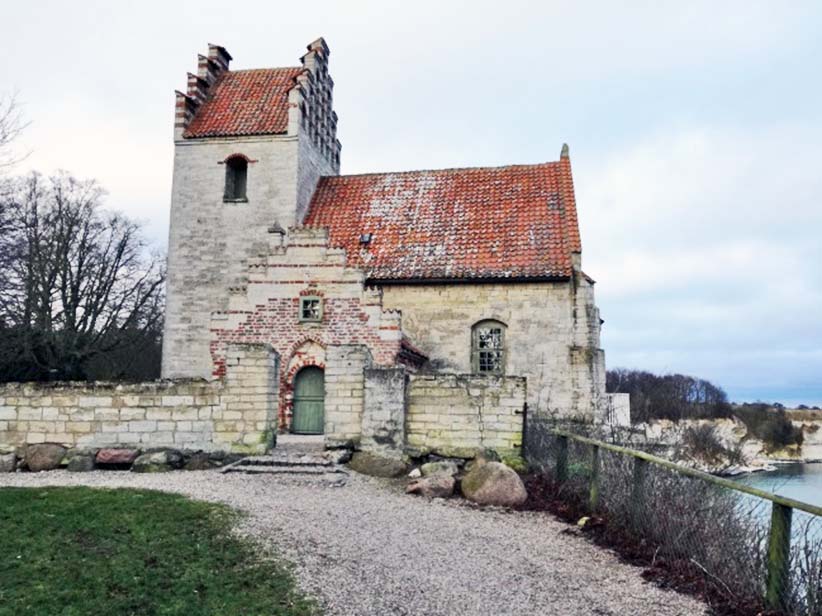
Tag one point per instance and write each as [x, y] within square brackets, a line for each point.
[237, 155]
[297, 360]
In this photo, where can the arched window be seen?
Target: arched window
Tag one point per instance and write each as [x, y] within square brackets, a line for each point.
[236, 171]
[488, 347]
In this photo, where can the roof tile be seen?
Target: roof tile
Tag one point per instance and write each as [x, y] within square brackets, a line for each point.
[480, 223]
[251, 102]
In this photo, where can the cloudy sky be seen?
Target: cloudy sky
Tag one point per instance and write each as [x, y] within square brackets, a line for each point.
[695, 131]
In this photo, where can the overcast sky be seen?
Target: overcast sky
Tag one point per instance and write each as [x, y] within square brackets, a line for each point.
[695, 131]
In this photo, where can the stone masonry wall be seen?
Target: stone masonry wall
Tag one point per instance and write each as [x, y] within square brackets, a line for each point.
[234, 415]
[383, 421]
[345, 394]
[452, 415]
[552, 336]
[211, 240]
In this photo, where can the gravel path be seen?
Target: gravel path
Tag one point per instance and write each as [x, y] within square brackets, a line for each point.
[368, 549]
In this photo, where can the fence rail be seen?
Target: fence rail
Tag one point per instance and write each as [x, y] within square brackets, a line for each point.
[628, 471]
[690, 472]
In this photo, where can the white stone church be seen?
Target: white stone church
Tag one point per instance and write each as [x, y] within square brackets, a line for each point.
[413, 312]
[428, 309]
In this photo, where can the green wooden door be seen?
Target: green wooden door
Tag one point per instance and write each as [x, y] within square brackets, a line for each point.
[309, 401]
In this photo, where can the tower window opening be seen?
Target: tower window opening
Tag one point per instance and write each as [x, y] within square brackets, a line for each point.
[236, 174]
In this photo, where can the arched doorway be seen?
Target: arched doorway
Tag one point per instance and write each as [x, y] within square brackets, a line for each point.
[309, 401]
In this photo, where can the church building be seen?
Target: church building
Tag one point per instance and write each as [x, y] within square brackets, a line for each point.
[430, 310]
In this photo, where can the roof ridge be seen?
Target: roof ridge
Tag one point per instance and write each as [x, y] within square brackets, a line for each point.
[570, 216]
[270, 68]
[446, 169]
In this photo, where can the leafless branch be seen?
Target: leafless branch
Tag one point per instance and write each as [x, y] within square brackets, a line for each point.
[79, 282]
[11, 125]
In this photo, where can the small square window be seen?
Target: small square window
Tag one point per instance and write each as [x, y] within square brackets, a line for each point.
[311, 309]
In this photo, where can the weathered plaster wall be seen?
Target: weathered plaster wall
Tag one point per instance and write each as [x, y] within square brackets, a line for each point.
[232, 416]
[210, 241]
[345, 393]
[552, 336]
[455, 414]
[383, 421]
[312, 164]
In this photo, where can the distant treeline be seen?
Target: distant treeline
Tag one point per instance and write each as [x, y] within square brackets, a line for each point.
[677, 397]
[668, 396]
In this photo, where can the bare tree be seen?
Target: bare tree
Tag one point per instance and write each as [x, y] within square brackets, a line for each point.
[11, 125]
[668, 396]
[77, 281]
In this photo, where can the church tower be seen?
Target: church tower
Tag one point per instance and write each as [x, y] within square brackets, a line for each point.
[249, 149]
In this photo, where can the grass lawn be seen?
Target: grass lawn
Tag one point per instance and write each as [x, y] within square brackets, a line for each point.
[78, 551]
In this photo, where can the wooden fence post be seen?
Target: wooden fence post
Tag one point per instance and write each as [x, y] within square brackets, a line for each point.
[779, 554]
[593, 495]
[562, 459]
[638, 493]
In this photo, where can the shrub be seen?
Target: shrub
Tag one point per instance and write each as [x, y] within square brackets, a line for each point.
[693, 535]
[770, 425]
[702, 443]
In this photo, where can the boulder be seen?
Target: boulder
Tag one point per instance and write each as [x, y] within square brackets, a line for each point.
[338, 456]
[117, 456]
[201, 461]
[158, 461]
[443, 467]
[44, 457]
[440, 485]
[377, 465]
[174, 458]
[415, 473]
[481, 457]
[81, 463]
[8, 462]
[493, 483]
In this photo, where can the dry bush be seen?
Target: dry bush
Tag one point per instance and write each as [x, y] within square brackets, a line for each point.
[690, 534]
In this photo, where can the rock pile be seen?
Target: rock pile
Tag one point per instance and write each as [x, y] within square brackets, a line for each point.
[484, 480]
[51, 456]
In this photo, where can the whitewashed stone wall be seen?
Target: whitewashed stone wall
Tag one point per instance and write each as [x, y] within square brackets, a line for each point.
[383, 421]
[210, 240]
[552, 336]
[453, 415]
[345, 393]
[234, 415]
[619, 410]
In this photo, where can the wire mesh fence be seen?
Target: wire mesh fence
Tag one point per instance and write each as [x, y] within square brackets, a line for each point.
[743, 552]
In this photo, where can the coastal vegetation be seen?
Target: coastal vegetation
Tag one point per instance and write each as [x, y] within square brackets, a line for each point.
[733, 546]
[679, 398]
[769, 424]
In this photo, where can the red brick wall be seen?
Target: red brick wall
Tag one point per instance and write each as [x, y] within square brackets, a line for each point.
[277, 323]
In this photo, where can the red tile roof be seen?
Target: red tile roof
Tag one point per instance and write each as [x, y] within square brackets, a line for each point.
[483, 223]
[252, 102]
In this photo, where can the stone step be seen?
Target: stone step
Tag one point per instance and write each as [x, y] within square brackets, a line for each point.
[324, 474]
[288, 460]
[300, 443]
[282, 470]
